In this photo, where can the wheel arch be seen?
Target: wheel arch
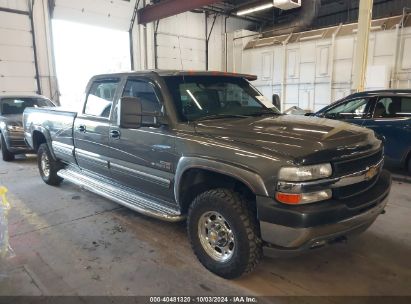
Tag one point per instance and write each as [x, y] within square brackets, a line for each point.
[40, 135]
[195, 175]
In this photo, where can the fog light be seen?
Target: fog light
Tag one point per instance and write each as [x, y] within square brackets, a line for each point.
[303, 198]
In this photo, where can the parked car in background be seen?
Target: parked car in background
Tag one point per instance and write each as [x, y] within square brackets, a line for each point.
[295, 111]
[11, 129]
[387, 112]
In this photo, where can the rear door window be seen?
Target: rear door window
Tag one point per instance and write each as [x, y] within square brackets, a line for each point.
[100, 98]
[393, 107]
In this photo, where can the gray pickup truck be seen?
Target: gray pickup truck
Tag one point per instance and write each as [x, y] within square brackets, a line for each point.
[209, 148]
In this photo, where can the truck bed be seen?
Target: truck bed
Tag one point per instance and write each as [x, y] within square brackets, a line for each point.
[56, 124]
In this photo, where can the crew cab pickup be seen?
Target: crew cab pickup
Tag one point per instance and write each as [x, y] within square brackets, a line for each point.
[209, 148]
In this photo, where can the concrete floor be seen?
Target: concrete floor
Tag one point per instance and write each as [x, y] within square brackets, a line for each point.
[69, 241]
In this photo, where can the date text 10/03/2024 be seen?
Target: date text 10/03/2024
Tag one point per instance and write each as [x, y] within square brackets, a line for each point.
[200, 299]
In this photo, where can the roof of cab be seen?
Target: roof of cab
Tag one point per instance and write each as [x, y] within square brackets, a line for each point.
[168, 73]
[5, 95]
[381, 92]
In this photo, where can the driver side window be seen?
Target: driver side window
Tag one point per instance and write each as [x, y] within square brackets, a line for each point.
[146, 92]
[356, 108]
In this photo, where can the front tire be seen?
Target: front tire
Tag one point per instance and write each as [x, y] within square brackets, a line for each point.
[48, 167]
[224, 233]
[6, 154]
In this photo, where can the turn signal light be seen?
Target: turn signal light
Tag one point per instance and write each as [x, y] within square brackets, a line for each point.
[288, 198]
[303, 198]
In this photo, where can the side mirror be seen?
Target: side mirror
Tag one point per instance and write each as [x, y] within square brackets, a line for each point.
[130, 113]
[277, 101]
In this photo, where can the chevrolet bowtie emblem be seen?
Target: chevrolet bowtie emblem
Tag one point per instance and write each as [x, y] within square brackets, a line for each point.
[371, 172]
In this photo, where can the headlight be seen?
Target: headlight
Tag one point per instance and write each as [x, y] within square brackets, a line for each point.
[305, 173]
[14, 127]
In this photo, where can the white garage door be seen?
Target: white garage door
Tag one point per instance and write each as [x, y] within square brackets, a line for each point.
[114, 14]
[17, 66]
[175, 52]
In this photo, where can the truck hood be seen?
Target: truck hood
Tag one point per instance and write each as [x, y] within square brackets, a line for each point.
[15, 119]
[299, 138]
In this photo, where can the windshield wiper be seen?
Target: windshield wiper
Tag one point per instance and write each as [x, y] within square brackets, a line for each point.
[221, 116]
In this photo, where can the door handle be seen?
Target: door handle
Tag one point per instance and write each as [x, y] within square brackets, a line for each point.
[115, 134]
[81, 128]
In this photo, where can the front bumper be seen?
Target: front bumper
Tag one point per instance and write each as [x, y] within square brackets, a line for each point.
[294, 229]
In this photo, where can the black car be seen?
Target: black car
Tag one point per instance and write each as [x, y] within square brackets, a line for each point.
[387, 112]
[11, 130]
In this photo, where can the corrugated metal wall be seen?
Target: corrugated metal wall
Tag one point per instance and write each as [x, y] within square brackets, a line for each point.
[314, 73]
[17, 53]
[17, 67]
[181, 41]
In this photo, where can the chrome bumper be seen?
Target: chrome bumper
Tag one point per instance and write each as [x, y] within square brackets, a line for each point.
[288, 240]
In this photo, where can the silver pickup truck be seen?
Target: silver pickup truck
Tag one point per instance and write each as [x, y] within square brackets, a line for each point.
[209, 148]
[11, 122]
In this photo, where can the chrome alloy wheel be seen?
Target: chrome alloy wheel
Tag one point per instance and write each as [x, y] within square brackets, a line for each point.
[216, 236]
[45, 165]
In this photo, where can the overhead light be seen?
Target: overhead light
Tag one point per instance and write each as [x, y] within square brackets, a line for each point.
[312, 37]
[287, 4]
[255, 9]
[372, 28]
[195, 100]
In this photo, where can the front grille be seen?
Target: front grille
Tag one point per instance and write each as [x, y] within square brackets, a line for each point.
[351, 166]
[355, 189]
[347, 167]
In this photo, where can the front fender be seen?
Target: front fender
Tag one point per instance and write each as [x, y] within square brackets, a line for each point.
[249, 178]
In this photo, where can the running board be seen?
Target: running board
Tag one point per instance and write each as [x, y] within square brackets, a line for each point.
[121, 195]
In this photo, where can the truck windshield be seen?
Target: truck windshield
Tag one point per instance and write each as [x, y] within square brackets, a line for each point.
[17, 105]
[214, 97]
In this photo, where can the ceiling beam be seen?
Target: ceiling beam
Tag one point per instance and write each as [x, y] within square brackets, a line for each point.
[169, 8]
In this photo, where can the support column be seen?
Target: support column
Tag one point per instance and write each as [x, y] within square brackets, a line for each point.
[42, 30]
[364, 25]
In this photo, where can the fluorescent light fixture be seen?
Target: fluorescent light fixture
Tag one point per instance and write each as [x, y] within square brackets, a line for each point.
[372, 28]
[255, 9]
[195, 100]
[313, 37]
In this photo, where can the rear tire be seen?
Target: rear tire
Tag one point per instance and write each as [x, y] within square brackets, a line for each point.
[48, 167]
[6, 154]
[224, 233]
